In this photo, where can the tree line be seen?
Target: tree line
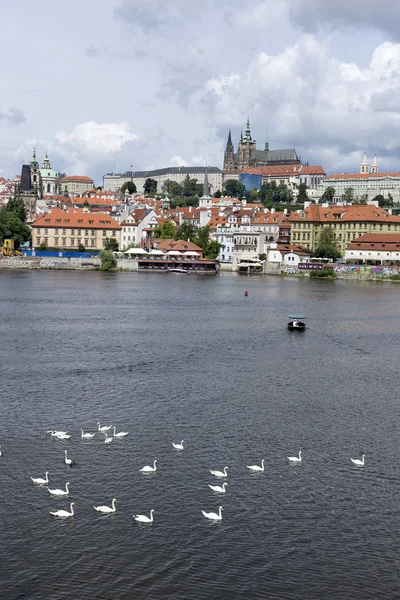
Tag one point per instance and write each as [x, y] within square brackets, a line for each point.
[186, 231]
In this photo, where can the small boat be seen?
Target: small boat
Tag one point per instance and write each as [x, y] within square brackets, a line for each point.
[296, 323]
[177, 270]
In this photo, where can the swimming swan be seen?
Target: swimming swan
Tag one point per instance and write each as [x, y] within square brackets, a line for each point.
[214, 516]
[178, 446]
[40, 481]
[143, 518]
[256, 467]
[148, 469]
[64, 513]
[87, 435]
[106, 509]
[357, 462]
[68, 461]
[218, 488]
[295, 459]
[121, 434]
[219, 473]
[104, 428]
[60, 492]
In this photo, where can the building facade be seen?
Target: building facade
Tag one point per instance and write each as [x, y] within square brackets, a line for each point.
[374, 249]
[347, 223]
[114, 181]
[73, 185]
[134, 225]
[67, 230]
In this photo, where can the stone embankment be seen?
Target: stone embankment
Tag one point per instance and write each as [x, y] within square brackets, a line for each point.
[23, 262]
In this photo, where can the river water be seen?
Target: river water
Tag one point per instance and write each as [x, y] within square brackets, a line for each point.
[171, 357]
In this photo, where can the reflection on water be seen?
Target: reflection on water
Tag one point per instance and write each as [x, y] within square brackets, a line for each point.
[169, 359]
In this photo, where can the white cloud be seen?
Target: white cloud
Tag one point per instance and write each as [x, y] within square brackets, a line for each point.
[98, 137]
[178, 161]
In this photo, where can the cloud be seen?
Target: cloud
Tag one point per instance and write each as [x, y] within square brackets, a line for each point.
[178, 161]
[104, 138]
[312, 15]
[151, 15]
[14, 116]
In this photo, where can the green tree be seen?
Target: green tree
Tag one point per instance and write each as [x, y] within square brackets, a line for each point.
[171, 188]
[16, 205]
[43, 245]
[362, 200]
[210, 248]
[81, 248]
[11, 227]
[252, 196]
[348, 195]
[302, 195]
[234, 189]
[327, 245]
[218, 194]
[190, 187]
[179, 201]
[328, 195]
[166, 231]
[150, 187]
[390, 201]
[185, 232]
[107, 259]
[111, 244]
[382, 201]
[262, 256]
[130, 186]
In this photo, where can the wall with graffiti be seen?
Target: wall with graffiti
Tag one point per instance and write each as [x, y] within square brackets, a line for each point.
[361, 271]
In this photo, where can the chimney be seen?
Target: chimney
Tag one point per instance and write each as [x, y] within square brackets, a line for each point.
[285, 211]
[272, 211]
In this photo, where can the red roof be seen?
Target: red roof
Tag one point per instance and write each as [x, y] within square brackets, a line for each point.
[312, 170]
[346, 176]
[78, 178]
[79, 220]
[339, 214]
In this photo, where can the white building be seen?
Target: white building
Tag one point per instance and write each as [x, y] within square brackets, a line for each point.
[286, 254]
[369, 182]
[49, 178]
[114, 181]
[134, 225]
[374, 249]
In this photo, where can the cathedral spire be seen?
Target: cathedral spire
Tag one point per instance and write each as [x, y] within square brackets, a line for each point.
[248, 132]
[267, 142]
[229, 156]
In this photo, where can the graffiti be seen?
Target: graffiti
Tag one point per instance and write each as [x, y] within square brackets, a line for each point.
[55, 264]
[290, 270]
[365, 270]
[310, 266]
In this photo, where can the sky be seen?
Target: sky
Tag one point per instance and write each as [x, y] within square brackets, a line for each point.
[105, 84]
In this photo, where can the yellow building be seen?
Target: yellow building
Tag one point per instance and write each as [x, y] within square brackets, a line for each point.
[75, 184]
[347, 223]
[60, 229]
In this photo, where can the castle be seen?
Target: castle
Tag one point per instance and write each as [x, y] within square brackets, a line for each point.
[248, 155]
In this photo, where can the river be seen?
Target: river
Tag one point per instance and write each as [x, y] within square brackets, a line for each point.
[172, 357]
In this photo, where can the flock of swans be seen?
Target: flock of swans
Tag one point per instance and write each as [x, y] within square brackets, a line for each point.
[106, 510]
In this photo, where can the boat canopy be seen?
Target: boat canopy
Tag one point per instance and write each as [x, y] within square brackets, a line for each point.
[296, 317]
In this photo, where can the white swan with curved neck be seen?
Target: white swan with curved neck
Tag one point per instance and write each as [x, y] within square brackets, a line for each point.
[178, 446]
[87, 435]
[104, 428]
[256, 467]
[68, 461]
[58, 492]
[357, 462]
[143, 518]
[107, 509]
[108, 440]
[148, 469]
[64, 513]
[121, 434]
[40, 481]
[214, 516]
[295, 459]
[219, 473]
[218, 488]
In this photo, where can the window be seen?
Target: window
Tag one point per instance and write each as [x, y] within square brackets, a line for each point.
[79, 232]
[72, 242]
[93, 232]
[86, 241]
[64, 241]
[46, 232]
[114, 234]
[56, 241]
[46, 239]
[92, 242]
[104, 233]
[38, 230]
[72, 231]
[56, 231]
[64, 231]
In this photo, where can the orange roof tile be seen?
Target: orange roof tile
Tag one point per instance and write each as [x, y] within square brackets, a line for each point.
[346, 176]
[82, 178]
[80, 220]
[334, 214]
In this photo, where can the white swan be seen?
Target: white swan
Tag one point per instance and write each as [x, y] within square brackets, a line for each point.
[87, 435]
[64, 513]
[218, 488]
[357, 462]
[143, 518]
[63, 436]
[107, 509]
[53, 432]
[295, 459]
[214, 516]
[178, 446]
[1, 453]
[256, 467]
[219, 473]
[104, 428]
[68, 461]
[61, 492]
[121, 434]
[108, 440]
[40, 481]
[148, 469]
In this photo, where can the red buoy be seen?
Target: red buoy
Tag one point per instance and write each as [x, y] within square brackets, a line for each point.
[246, 293]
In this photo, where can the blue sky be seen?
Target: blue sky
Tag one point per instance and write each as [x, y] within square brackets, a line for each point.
[106, 84]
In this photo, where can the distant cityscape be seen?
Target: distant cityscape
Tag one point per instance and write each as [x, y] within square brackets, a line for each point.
[264, 205]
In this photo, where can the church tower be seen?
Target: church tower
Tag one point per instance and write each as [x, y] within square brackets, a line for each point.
[246, 148]
[229, 156]
[364, 167]
[35, 173]
[374, 168]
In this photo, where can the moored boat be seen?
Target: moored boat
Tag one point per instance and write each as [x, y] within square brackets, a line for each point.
[177, 270]
[296, 323]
